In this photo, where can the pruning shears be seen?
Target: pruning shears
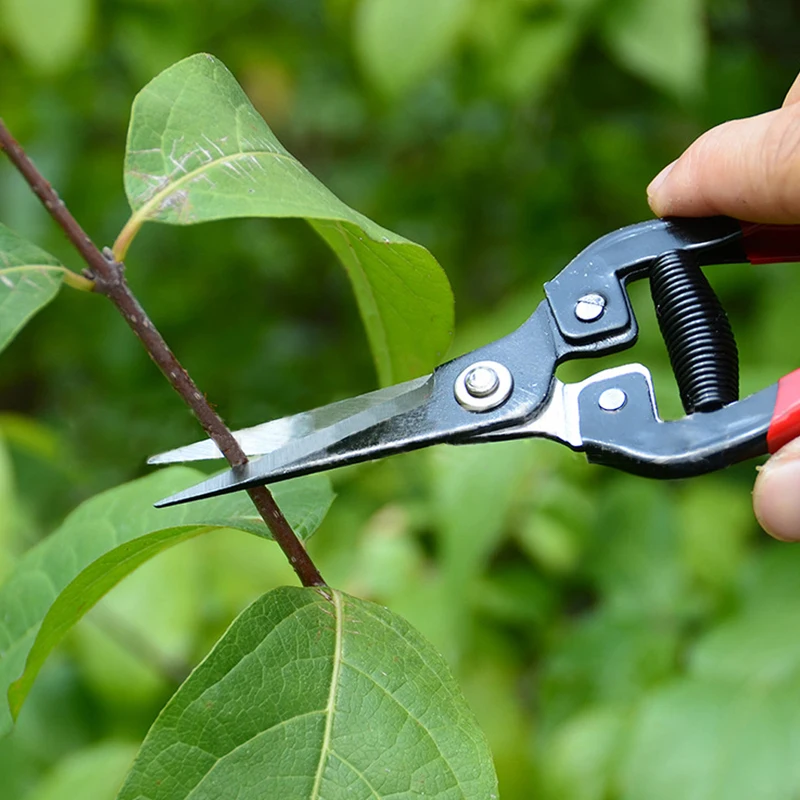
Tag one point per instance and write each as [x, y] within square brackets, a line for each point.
[508, 390]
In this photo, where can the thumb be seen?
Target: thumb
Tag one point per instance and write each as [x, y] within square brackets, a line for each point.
[747, 168]
[776, 497]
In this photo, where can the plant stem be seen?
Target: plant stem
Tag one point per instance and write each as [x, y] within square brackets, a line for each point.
[108, 275]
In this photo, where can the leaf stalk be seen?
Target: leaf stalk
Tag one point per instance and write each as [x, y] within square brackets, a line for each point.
[126, 236]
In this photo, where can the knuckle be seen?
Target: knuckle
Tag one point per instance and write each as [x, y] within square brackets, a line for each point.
[781, 154]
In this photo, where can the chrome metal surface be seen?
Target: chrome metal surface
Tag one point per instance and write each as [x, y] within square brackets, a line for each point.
[278, 433]
[483, 386]
[560, 418]
[590, 307]
[612, 399]
[481, 381]
[307, 447]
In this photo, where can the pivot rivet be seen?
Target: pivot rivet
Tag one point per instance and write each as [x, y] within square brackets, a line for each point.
[481, 381]
[590, 307]
[612, 399]
[483, 386]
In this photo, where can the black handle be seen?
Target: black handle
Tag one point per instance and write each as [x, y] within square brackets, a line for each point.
[631, 437]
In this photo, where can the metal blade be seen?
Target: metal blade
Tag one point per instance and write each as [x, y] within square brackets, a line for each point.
[311, 452]
[440, 408]
[278, 433]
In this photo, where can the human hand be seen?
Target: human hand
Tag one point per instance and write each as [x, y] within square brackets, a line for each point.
[748, 169]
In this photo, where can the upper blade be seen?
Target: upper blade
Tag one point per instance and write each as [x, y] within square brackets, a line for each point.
[278, 433]
[310, 450]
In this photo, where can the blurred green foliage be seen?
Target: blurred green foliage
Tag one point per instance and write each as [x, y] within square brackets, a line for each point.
[618, 638]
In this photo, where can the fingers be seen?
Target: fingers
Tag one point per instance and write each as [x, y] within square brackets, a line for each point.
[748, 168]
[776, 497]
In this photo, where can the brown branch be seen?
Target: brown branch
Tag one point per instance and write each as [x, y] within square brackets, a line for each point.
[108, 275]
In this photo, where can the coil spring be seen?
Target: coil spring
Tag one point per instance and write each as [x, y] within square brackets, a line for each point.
[699, 339]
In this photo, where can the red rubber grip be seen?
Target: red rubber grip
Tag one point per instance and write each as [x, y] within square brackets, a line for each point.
[785, 423]
[770, 244]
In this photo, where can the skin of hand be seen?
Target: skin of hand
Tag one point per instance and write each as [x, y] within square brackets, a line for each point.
[749, 169]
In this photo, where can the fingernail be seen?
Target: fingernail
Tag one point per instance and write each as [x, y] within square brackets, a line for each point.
[776, 498]
[659, 179]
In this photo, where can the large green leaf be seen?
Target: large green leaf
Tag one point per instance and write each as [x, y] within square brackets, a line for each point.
[104, 540]
[29, 280]
[198, 151]
[398, 43]
[663, 41]
[315, 694]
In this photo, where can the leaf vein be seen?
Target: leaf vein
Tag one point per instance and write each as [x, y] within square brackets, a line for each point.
[325, 749]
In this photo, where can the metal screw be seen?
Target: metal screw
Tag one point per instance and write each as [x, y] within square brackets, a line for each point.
[481, 381]
[483, 386]
[590, 307]
[612, 399]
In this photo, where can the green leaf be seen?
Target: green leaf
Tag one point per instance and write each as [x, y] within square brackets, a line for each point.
[399, 43]
[537, 55]
[711, 740]
[315, 694]
[94, 773]
[29, 280]
[772, 580]
[729, 730]
[662, 41]
[104, 540]
[578, 763]
[198, 151]
[636, 559]
[8, 503]
[32, 437]
[607, 658]
[760, 647]
[716, 518]
[473, 489]
[397, 324]
[47, 33]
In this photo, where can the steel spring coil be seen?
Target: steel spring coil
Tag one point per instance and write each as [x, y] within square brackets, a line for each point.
[696, 331]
